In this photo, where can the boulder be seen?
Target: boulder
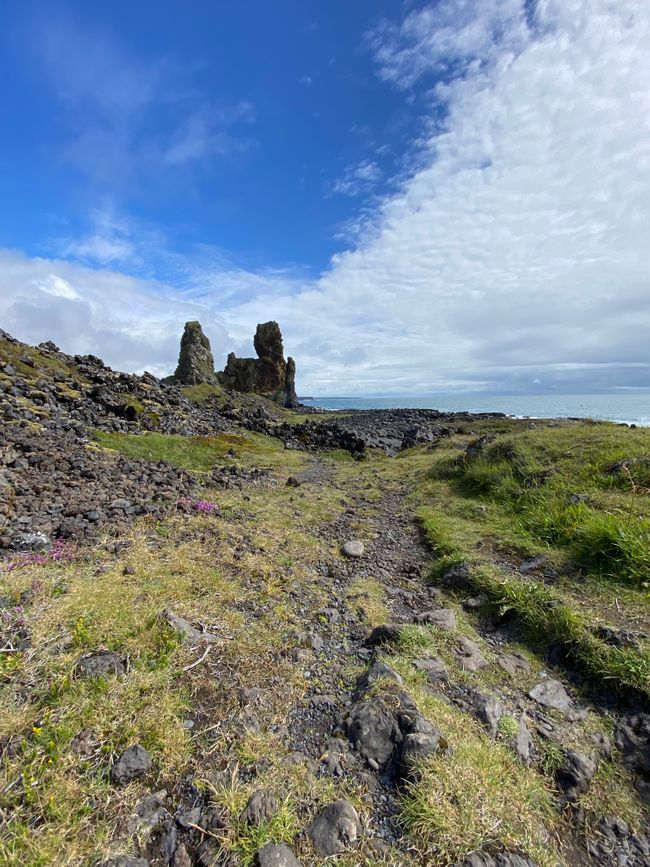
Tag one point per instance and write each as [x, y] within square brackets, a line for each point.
[195, 360]
[335, 829]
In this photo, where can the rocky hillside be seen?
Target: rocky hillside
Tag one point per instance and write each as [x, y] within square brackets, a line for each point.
[236, 635]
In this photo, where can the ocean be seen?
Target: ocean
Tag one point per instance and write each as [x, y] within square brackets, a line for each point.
[629, 407]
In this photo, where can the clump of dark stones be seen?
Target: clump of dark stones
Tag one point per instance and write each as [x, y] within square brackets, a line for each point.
[55, 487]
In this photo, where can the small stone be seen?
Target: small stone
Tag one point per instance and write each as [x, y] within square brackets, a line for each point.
[444, 618]
[377, 671]
[551, 693]
[293, 482]
[489, 711]
[276, 855]
[185, 630]
[353, 548]
[387, 634]
[575, 775]
[523, 741]
[434, 667]
[125, 861]
[513, 663]
[260, 809]
[335, 829]
[131, 765]
[100, 664]
[470, 655]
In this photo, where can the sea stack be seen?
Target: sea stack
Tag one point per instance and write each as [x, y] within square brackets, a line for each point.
[268, 374]
[195, 360]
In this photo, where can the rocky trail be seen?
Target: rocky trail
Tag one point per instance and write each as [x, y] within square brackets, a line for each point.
[395, 561]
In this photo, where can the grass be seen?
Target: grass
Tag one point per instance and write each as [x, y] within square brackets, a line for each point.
[547, 617]
[10, 353]
[202, 453]
[202, 393]
[580, 487]
[258, 555]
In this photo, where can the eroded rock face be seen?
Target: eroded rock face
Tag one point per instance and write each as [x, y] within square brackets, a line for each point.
[195, 361]
[268, 374]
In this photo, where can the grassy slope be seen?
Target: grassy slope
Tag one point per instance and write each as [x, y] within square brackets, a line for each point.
[216, 570]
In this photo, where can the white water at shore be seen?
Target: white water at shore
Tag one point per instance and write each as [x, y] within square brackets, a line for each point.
[629, 407]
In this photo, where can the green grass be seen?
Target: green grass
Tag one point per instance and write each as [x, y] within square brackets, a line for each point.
[202, 453]
[558, 487]
[201, 393]
[545, 614]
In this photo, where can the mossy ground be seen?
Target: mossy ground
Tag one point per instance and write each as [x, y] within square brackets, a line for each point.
[247, 574]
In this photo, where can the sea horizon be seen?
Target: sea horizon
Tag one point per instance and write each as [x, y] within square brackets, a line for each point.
[626, 407]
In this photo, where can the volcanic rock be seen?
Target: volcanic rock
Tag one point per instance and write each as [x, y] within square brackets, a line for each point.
[195, 361]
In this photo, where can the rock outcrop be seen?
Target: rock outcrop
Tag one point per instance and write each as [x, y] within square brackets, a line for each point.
[268, 374]
[195, 360]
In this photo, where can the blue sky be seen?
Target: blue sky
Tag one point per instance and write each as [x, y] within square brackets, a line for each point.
[232, 126]
[428, 196]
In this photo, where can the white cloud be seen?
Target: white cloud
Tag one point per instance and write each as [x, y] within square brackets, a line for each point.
[517, 250]
[358, 178]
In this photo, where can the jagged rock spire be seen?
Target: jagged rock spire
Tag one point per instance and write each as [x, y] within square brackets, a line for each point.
[195, 361]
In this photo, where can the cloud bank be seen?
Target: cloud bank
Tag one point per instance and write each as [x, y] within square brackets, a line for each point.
[516, 249]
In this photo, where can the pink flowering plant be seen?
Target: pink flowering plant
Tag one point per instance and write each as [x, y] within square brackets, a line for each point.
[205, 507]
[60, 551]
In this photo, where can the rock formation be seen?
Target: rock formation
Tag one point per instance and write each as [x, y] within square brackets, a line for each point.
[195, 360]
[268, 374]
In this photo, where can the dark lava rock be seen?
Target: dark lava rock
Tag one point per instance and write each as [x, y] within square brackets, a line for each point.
[488, 709]
[100, 664]
[276, 855]
[574, 775]
[501, 859]
[268, 374]
[335, 829]
[387, 634]
[195, 361]
[434, 667]
[374, 730]
[260, 809]
[632, 738]
[377, 671]
[551, 693]
[469, 654]
[131, 765]
[125, 861]
[512, 663]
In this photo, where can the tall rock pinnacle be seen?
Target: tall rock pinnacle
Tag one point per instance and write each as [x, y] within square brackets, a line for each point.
[195, 361]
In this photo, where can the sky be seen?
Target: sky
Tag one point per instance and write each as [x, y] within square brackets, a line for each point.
[428, 197]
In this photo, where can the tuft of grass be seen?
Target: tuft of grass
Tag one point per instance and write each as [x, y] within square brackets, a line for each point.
[477, 798]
